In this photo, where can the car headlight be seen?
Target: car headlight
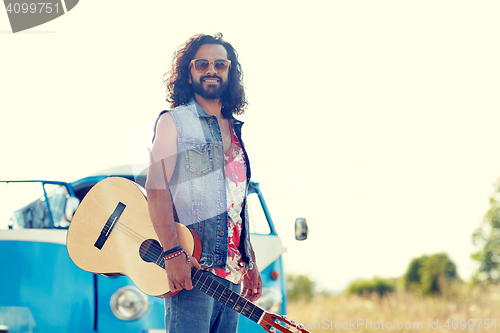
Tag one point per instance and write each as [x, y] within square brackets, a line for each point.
[270, 300]
[128, 303]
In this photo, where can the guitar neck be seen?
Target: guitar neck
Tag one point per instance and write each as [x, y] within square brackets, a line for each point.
[204, 282]
[151, 251]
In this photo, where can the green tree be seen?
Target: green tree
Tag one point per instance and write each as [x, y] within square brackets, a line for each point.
[427, 273]
[299, 286]
[375, 285]
[487, 239]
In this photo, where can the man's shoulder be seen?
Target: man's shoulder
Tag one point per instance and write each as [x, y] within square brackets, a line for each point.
[181, 111]
[184, 108]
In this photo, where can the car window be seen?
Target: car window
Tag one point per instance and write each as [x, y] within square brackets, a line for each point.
[258, 220]
[58, 195]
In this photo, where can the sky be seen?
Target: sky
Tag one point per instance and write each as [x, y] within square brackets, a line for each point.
[377, 121]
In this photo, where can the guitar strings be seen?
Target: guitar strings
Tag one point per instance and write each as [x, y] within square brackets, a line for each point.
[152, 254]
[138, 237]
[246, 308]
[134, 235]
[207, 289]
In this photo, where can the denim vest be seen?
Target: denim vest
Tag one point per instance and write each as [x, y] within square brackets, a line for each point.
[198, 184]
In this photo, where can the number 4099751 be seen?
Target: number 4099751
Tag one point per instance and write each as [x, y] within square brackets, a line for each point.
[471, 323]
[32, 8]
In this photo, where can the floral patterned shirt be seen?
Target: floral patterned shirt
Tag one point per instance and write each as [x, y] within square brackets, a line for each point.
[236, 182]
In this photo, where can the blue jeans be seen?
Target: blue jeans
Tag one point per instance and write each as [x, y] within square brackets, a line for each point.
[193, 311]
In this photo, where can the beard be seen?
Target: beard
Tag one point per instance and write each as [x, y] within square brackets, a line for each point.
[212, 91]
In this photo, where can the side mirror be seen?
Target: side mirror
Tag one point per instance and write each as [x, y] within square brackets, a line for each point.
[300, 229]
[71, 206]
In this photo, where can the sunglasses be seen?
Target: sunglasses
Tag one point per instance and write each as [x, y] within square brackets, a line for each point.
[220, 65]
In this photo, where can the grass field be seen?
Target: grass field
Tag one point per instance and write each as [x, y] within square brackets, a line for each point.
[461, 309]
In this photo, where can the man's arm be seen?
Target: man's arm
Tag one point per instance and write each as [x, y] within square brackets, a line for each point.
[162, 164]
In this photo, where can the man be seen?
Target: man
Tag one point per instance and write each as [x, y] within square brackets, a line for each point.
[198, 176]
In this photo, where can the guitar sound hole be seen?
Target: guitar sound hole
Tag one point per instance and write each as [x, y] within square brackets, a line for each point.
[150, 250]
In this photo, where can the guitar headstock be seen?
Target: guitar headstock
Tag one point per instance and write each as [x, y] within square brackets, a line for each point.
[280, 324]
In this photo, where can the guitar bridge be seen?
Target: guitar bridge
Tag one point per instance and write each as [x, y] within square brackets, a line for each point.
[108, 227]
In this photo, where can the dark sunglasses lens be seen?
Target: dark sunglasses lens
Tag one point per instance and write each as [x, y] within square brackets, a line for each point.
[201, 65]
[221, 65]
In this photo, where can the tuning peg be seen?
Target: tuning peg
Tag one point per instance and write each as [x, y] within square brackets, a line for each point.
[277, 321]
[293, 322]
[284, 317]
[273, 329]
[301, 326]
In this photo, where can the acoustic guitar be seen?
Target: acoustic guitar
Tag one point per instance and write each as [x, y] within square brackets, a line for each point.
[111, 234]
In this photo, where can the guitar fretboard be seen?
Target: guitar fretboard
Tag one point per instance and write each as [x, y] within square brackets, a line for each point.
[204, 282]
[150, 251]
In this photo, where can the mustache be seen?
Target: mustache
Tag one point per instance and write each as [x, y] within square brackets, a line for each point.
[211, 77]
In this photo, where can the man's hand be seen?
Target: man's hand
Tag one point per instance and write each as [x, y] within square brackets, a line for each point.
[252, 284]
[179, 272]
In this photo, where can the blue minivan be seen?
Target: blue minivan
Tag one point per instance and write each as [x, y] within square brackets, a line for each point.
[43, 291]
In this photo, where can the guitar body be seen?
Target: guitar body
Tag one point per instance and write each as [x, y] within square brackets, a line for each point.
[128, 242]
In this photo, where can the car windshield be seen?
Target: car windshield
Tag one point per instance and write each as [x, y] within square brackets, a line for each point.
[24, 205]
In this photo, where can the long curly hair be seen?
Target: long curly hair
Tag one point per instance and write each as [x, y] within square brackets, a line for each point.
[180, 91]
